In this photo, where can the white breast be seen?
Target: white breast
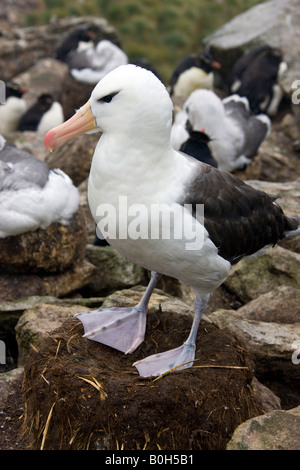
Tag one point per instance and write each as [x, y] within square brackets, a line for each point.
[11, 113]
[52, 118]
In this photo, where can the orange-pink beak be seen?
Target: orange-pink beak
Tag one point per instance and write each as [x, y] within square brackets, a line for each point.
[82, 121]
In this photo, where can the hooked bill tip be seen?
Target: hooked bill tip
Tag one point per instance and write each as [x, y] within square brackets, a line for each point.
[49, 140]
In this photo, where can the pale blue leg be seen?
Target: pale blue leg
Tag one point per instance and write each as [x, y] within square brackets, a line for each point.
[181, 357]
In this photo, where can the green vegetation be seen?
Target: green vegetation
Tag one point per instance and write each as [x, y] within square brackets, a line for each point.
[163, 31]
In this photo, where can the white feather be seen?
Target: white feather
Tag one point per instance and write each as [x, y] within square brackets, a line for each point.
[179, 134]
[11, 113]
[31, 208]
[52, 118]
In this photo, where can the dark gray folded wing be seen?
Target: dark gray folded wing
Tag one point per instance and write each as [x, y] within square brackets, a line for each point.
[239, 219]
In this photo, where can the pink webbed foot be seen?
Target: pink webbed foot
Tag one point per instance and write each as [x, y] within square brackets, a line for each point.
[120, 328]
[158, 364]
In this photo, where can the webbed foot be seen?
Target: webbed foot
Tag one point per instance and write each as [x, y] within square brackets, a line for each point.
[157, 364]
[120, 328]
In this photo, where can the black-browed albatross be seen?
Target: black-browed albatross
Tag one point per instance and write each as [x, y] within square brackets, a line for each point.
[32, 195]
[134, 159]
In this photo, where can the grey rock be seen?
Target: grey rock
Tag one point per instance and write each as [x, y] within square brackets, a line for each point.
[13, 13]
[280, 305]
[17, 286]
[290, 126]
[287, 195]
[7, 381]
[275, 23]
[19, 306]
[31, 142]
[255, 276]
[274, 347]
[159, 300]
[38, 322]
[74, 95]
[45, 76]
[269, 401]
[265, 340]
[114, 272]
[276, 430]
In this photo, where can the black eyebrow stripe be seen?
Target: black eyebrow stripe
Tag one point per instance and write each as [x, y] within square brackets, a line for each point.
[107, 98]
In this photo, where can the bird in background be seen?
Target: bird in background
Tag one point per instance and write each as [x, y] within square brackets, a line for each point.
[256, 76]
[13, 108]
[31, 195]
[198, 146]
[194, 71]
[44, 114]
[77, 41]
[235, 133]
[88, 62]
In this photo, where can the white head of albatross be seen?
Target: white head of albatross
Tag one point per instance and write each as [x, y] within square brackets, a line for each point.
[134, 159]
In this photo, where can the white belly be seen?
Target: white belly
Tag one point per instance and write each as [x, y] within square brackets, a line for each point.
[204, 270]
[181, 250]
[135, 209]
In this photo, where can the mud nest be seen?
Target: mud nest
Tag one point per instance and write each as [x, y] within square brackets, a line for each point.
[79, 394]
[51, 250]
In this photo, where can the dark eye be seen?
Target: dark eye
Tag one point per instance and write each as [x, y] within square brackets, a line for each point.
[107, 98]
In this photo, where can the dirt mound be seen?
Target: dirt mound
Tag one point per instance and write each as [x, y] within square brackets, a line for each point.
[80, 394]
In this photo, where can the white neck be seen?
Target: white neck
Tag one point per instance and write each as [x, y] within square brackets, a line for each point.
[117, 161]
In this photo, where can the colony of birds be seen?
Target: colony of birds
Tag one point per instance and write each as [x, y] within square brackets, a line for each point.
[153, 153]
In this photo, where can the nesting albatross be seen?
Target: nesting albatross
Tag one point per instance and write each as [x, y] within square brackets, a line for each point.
[31, 195]
[134, 160]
